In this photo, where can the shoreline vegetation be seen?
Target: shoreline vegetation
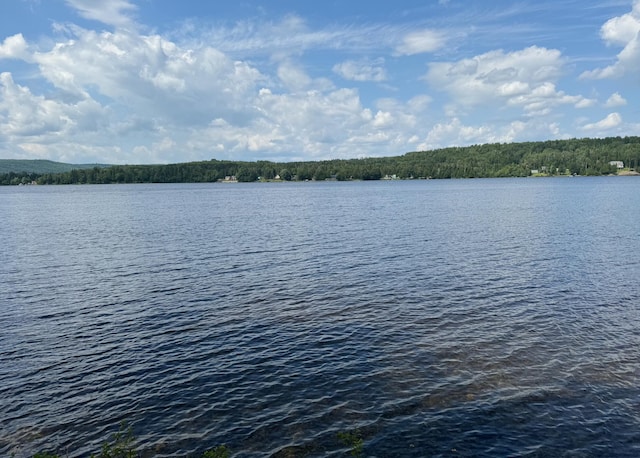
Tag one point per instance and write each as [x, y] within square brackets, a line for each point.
[584, 157]
[121, 445]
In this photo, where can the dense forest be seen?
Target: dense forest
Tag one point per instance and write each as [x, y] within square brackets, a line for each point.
[554, 157]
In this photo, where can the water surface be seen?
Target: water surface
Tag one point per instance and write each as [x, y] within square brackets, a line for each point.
[437, 318]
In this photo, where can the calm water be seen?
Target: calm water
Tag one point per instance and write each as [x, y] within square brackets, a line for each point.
[438, 318]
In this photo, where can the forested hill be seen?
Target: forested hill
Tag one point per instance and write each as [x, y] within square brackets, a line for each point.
[554, 157]
[39, 166]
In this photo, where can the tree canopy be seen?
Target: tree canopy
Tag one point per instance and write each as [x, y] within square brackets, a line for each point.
[553, 157]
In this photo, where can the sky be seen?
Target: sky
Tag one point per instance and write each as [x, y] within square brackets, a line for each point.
[165, 81]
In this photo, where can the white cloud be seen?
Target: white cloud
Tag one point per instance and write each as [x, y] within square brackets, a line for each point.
[419, 103]
[524, 79]
[150, 76]
[454, 132]
[14, 47]
[158, 150]
[162, 101]
[313, 123]
[621, 31]
[25, 115]
[253, 90]
[292, 36]
[383, 119]
[616, 100]
[111, 12]
[362, 70]
[43, 127]
[293, 76]
[316, 124]
[424, 41]
[584, 103]
[611, 121]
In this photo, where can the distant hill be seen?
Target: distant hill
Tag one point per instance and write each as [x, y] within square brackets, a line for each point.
[41, 166]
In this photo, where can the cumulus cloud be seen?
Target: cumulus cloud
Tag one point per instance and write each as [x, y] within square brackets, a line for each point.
[454, 132]
[26, 115]
[313, 122]
[40, 126]
[317, 124]
[611, 121]
[622, 31]
[163, 101]
[423, 41]
[155, 76]
[616, 100]
[115, 91]
[583, 102]
[251, 91]
[524, 79]
[293, 76]
[362, 70]
[14, 47]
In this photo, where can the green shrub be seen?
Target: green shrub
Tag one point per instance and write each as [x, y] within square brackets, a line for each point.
[120, 445]
[354, 441]
[221, 451]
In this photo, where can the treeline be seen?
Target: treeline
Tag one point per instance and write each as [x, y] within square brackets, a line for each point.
[554, 157]
[40, 166]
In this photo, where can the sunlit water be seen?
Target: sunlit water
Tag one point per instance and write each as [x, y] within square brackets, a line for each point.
[437, 318]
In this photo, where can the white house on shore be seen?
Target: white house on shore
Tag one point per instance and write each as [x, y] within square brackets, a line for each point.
[618, 164]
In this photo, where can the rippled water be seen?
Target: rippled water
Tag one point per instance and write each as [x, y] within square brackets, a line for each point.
[437, 318]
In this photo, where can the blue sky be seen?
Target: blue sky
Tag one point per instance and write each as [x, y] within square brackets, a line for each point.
[159, 81]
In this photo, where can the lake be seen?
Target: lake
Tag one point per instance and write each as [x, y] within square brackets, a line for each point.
[484, 318]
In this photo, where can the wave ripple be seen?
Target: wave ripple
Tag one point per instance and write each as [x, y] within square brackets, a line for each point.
[475, 317]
